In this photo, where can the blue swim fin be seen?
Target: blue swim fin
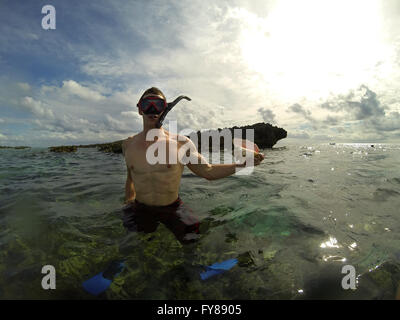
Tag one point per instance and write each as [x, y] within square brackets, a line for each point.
[218, 268]
[101, 281]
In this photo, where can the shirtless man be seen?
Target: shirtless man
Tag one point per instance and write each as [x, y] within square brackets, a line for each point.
[152, 190]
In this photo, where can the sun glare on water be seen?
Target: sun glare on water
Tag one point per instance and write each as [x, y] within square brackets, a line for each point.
[312, 48]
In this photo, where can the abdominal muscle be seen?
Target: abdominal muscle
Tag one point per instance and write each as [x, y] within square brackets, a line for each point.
[159, 186]
[155, 184]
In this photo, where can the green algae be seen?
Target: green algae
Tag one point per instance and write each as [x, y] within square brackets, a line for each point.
[269, 255]
[231, 237]
[221, 211]
[245, 259]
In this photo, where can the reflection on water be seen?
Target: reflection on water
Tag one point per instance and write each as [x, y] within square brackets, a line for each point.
[292, 225]
[331, 243]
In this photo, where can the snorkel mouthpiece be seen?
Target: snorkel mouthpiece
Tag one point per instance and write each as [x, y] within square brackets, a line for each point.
[170, 105]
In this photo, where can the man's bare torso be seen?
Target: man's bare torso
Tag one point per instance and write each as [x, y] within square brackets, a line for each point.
[155, 184]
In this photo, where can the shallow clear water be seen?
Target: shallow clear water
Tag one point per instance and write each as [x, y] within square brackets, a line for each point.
[306, 211]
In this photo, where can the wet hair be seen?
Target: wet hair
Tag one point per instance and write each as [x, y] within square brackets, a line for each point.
[153, 90]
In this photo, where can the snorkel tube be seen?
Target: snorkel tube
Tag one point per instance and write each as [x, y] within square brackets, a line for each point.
[170, 105]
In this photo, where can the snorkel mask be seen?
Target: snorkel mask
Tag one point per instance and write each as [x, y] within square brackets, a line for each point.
[153, 104]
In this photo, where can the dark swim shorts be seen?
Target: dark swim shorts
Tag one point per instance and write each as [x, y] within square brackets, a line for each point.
[177, 217]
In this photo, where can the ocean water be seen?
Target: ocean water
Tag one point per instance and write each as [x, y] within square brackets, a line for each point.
[304, 213]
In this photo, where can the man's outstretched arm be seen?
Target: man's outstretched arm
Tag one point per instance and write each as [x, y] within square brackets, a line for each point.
[200, 166]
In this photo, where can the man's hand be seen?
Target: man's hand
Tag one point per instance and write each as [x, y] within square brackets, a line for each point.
[258, 157]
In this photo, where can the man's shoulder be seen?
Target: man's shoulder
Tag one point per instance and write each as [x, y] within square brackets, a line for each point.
[182, 138]
[128, 141]
[131, 138]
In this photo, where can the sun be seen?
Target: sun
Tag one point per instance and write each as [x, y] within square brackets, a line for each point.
[314, 48]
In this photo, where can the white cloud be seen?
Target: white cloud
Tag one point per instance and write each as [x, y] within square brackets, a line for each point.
[24, 86]
[36, 107]
[74, 88]
[102, 66]
[122, 126]
[298, 135]
[130, 114]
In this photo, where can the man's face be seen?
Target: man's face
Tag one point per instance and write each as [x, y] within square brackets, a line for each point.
[153, 117]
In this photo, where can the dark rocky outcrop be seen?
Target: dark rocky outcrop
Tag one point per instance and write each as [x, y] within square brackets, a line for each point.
[63, 149]
[18, 147]
[112, 147]
[265, 136]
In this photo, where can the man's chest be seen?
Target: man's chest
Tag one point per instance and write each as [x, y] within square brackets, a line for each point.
[145, 155]
[147, 159]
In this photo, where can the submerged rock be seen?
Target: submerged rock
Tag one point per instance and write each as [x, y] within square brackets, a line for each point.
[245, 259]
[378, 283]
[63, 149]
[383, 280]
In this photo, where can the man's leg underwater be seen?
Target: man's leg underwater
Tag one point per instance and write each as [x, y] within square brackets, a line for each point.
[181, 221]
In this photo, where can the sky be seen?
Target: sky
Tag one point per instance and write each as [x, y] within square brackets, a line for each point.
[322, 70]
